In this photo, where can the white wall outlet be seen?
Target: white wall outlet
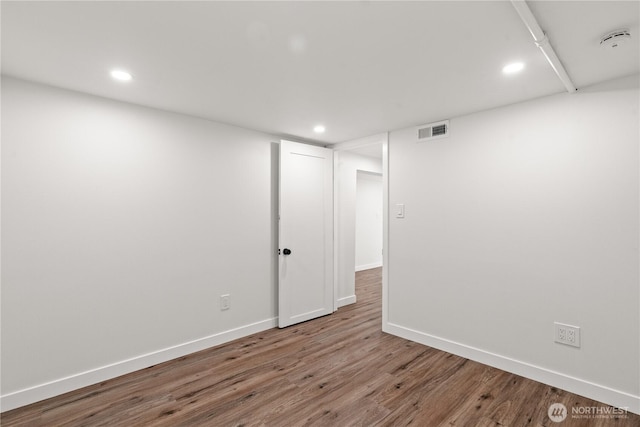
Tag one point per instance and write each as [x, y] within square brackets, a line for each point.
[225, 303]
[567, 334]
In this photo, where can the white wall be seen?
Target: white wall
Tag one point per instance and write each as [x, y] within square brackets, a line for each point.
[525, 215]
[122, 226]
[347, 165]
[368, 221]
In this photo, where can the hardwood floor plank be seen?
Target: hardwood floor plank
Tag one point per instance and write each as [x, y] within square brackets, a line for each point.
[339, 370]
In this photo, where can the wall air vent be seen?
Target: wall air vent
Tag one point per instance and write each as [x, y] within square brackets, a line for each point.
[433, 131]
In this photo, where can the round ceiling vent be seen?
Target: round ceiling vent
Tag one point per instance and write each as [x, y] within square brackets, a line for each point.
[615, 39]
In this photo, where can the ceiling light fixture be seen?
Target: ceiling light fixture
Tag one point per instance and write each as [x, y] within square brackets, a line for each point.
[319, 129]
[121, 75]
[513, 68]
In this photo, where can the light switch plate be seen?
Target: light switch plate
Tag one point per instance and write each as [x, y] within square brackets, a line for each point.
[400, 210]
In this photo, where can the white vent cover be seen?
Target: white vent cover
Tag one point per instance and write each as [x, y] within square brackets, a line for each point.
[433, 131]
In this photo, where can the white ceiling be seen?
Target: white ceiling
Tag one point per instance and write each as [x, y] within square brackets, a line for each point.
[360, 68]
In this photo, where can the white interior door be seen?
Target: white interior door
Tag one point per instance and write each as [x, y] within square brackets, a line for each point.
[306, 233]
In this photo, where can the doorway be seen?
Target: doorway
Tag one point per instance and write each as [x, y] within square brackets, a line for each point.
[368, 220]
[365, 155]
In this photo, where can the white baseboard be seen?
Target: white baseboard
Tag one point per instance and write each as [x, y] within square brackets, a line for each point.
[63, 385]
[578, 386]
[346, 301]
[368, 266]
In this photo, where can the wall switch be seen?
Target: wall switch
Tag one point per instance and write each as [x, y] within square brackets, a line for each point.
[400, 210]
[567, 334]
[225, 304]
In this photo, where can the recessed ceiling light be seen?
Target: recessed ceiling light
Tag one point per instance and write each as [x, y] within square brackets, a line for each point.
[513, 68]
[121, 75]
[319, 129]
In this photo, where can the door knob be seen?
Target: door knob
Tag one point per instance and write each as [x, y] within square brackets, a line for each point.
[286, 251]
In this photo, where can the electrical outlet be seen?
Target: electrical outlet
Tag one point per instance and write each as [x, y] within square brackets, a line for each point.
[567, 334]
[225, 303]
[562, 334]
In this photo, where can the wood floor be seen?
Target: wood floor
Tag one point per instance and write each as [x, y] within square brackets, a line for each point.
[339, 370]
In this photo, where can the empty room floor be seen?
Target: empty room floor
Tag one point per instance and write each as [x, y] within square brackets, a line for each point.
[339, 370]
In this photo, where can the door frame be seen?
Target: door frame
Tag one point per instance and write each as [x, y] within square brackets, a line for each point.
[382, 138]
